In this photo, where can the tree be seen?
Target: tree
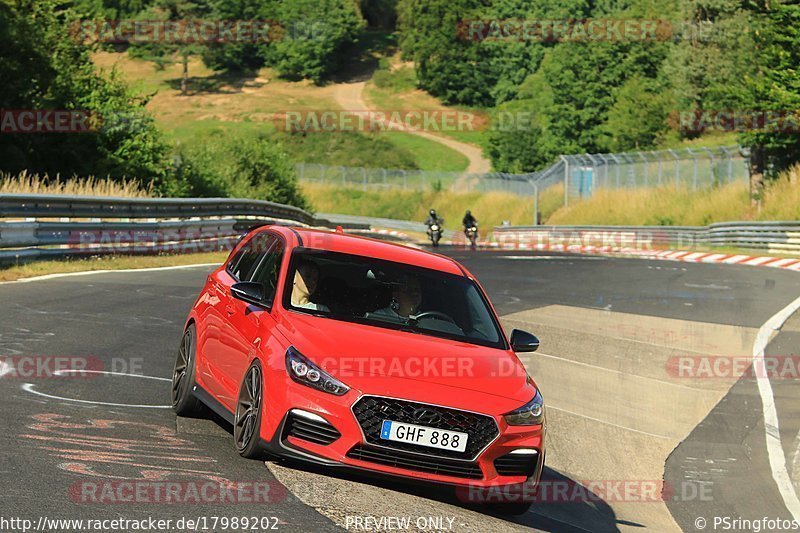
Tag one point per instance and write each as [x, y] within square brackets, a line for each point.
[164, 52]
[315, 36]
[773, 85]
[51, 71]
[637, 119]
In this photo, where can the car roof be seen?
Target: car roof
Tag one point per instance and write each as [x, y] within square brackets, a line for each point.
[365, 246]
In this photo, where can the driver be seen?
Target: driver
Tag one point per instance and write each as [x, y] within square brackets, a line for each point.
[406, 299]
[306, 280]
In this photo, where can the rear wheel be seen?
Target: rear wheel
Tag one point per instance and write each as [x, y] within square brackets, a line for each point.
[183, 401]
[247, 422]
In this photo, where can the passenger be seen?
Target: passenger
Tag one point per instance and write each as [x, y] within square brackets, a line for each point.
[306, 281]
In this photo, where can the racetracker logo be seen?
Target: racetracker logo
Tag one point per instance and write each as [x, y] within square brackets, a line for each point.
[589, 491]
[46, 121]
[173, 492]
[740, 121]
[599, 240]
[725, 367]
[45, 367]
[184, 31]
[565, 30]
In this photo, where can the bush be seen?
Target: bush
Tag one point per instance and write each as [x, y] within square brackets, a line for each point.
[239, 166]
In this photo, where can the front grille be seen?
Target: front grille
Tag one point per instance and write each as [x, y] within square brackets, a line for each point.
[371, 411]
[516, 464]
[311, 430]
[412, 461]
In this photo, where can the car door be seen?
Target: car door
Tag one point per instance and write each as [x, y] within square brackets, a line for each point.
[249, 323]
[219, 344]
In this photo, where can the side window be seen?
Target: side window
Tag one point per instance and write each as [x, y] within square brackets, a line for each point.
[242, 265]
[268, 270]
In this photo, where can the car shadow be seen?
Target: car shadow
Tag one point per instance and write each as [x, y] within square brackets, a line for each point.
[567, 505]
[590, 513]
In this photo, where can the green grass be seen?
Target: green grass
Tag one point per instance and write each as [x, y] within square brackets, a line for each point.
[394, 88]
[428, 155]
[112, 262]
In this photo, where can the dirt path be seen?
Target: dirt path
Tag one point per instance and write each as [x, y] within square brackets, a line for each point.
[350, 96]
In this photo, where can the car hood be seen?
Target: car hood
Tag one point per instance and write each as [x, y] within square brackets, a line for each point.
[409, 365]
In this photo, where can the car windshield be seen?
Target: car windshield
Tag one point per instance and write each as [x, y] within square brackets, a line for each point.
[390, 295]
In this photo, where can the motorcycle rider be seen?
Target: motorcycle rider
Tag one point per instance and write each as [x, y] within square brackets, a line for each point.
[469, 221]
[433, 219]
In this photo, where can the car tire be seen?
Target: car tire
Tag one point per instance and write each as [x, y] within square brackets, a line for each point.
[184, 403]
[249, 410]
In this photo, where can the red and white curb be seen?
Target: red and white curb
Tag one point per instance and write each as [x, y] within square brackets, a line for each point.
[663, 255]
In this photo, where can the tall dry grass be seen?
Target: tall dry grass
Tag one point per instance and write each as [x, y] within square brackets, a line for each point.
[25, 183]
[680, 207]
[782, 197]
[489, 208]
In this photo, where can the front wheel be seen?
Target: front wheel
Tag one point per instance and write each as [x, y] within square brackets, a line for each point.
[435, 238]
[183, 401]
[247, 421]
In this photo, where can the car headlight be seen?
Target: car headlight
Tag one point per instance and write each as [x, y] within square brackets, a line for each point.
[530, 414]
[307, 373]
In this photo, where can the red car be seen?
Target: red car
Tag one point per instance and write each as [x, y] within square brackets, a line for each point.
[351, 352]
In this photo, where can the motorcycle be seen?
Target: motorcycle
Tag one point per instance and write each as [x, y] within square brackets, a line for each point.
[472, 236]
[435, 234]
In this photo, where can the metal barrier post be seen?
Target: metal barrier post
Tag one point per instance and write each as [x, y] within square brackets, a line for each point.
[694, 164]
[646, 182]
[677, 167]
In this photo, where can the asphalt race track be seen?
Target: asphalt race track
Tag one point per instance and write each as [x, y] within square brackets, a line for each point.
[613, 333]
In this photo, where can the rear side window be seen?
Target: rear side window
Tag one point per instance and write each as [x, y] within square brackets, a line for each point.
[244, 262]
[268, 269]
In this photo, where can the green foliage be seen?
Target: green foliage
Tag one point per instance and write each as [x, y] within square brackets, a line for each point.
[380, 13]
[49, 70]
[637, 119]
[239, 166]
[774, 84]
[315, 37]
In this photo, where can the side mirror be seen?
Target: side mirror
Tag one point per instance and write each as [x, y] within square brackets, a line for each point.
[249, 291]
[522, 341]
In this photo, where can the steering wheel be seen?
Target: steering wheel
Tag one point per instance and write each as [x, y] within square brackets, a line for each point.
[434, 314]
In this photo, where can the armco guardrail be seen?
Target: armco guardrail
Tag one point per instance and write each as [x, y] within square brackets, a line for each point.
[100, 225]
[52, 206]
[780, 237]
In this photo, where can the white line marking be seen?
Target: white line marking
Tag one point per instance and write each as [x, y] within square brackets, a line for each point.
[28, 387]
[796, 463]
[126, 270]
[777, 459]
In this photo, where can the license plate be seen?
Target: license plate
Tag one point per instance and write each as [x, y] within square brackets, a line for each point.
[441, 439]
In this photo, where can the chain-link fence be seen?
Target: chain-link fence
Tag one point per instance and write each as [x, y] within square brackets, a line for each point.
[687, 168]
[582, 174]
[383, 178]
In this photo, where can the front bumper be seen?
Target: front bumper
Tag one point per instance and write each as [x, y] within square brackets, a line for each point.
[490, 465]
